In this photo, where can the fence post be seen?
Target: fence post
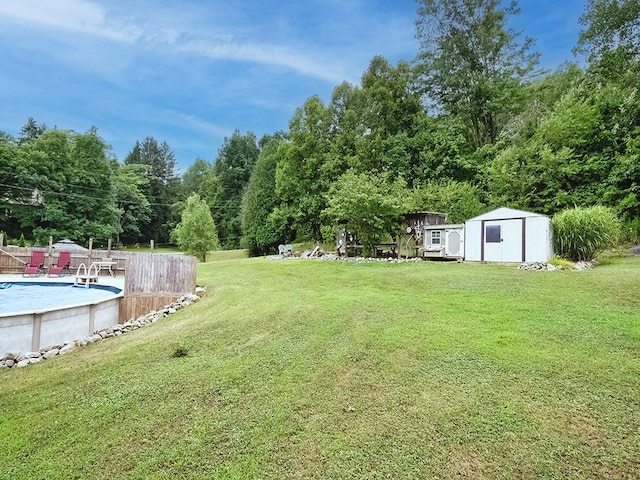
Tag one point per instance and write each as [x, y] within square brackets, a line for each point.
[151, 245]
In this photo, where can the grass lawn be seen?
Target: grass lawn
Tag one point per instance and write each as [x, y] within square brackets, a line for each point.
[306, 369]
[221, 255]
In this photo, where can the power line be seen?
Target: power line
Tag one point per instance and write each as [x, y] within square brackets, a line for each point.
[101, 198]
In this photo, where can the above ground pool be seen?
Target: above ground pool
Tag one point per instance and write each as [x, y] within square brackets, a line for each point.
[40, 314]
[31, 296]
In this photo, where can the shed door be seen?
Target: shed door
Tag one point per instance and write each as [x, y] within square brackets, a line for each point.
[503, 240]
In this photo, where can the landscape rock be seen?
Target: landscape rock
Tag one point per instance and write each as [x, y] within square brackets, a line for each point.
[540, 266]
[51, 353]
[584, 266]
[11, 355]
[67, 348]
[331, 257]
[22, 363]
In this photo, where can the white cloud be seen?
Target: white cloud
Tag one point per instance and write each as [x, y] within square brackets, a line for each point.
[172, 32]
[305, 64]
[79, 16]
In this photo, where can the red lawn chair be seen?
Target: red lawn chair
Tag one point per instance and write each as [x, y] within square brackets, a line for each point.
[62, 267]
[36, 265]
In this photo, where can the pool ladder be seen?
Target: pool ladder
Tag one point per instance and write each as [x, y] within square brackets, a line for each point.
[85, 276]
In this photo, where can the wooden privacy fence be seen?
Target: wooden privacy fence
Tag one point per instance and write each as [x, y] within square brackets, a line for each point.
[13, 259]
[155, 280]
[152, 280]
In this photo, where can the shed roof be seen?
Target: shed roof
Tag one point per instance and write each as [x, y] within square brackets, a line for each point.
[504, 213]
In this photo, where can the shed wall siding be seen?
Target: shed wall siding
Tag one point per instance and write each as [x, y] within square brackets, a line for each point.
[473, 241]
[539, 243]
[531, 241]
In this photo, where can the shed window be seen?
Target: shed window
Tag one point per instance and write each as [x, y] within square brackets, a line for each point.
[492, 234]
[435, 237]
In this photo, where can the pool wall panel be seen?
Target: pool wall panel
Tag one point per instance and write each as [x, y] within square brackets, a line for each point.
[60, 326]
[15, 333]
[106, 314]
[31, 331]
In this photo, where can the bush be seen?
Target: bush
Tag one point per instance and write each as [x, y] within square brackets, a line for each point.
[579, 234]
[631, 232]
[563, 263]
[179, 350]
[21, 242]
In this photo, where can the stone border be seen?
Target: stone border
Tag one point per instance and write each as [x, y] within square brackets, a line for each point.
[19, 360]
[541, 266]
[330, 257]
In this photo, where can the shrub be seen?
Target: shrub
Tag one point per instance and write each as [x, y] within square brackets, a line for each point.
[21, 242]
[579, 234]
[561, 262]
[631, 231]
[180, 350]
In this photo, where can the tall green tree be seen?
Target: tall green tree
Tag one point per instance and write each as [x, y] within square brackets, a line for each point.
[67, 180]
[92, 175]
[195, 176]
[30, 131]
[130, 184]
[392, 117]
[10, 181]
[196, 233]
[163, 186]
[307, 168]
[611, 37]
[471, 63]
[262, 230]
[232, 169]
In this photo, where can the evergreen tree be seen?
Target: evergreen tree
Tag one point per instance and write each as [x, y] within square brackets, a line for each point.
[262, 232]
[163, 187]
[31, 131]
[233, 168]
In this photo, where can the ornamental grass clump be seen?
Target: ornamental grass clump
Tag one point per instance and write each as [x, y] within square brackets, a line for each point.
[580, 234]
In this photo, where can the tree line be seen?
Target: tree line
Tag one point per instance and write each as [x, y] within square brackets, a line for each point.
[471, 124]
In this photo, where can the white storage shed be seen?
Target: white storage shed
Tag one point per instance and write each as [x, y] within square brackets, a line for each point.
[508, 235]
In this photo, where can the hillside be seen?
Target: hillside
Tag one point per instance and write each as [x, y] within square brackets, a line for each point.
[304, 369]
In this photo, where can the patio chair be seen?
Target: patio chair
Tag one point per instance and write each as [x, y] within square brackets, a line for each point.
[36, 265]
[62, 267]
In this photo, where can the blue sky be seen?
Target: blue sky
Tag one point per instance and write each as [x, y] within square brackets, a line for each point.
[191, 72]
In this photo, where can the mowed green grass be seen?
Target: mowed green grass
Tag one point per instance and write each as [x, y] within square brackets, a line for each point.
[306, 369]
